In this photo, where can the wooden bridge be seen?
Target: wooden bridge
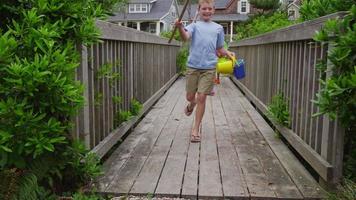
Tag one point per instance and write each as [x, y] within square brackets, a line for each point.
[240, 156]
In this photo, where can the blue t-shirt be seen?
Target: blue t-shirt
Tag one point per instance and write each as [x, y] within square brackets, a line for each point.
[206, 38]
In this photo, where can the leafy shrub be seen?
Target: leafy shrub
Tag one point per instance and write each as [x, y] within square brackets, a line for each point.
[278, 110]
[346, 191]
[262, 24]
[182, 58]
[39, 94]
[311, 9]
[168, 34]
[337, 96]
[123, 116]
[135, 107]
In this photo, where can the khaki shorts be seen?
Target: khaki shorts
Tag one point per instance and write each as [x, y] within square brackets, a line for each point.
[200, 80]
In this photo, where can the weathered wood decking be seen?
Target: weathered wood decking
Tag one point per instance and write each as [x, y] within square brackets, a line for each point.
[239, 156]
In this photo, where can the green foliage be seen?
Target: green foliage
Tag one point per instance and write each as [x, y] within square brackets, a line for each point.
[182, 58]
[278, 110]
[135, 107]
[107, 71]
[337, 96]
[123, 116]
[346, 191]
[168, 34]
[311, 9]
[265, 5]
[262, 24]
[39, 94]
[117, 99]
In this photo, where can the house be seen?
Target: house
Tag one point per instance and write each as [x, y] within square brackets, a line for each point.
[155, 16]
[151, 16]
[228, 13]
[292, 7]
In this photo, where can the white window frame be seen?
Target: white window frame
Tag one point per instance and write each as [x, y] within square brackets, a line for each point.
[247, 7]
[138, 8]
[243, 6]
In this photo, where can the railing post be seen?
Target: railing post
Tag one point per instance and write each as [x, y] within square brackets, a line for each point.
[84, 129]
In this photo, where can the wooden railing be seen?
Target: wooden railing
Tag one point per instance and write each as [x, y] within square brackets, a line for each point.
[147, 66]
[285, 61]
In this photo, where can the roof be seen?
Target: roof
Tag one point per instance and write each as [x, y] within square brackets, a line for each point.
[229, 17]
[193, 10]
[216, 17]
[221, 4]
[158, 10]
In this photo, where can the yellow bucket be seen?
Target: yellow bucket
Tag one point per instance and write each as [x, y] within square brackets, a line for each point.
[225, 66]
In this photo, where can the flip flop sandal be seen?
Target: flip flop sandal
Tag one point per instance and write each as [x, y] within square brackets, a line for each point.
[187, 111]
[195, 138]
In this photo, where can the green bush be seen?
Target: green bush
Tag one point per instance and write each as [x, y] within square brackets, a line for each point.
[346, 191]
[311, 9]
[262, 24]
[135, 107]
[182, 58]
[39, 94]
[123, 116]
[337, 97]
[278, 110]
[168, 34]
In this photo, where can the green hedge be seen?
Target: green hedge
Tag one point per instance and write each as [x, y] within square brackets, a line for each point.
[39, 95]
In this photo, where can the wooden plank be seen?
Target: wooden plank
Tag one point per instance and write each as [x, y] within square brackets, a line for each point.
[124, 180]
[309, 95]
[147, 179]
[303, 180]
[255, 177]
[104, 146]
[171, 180]
[191, 173]
[124, 151]
[298, 173]
[111, 31]
[234, 185]
[91, 87]
[209, 172]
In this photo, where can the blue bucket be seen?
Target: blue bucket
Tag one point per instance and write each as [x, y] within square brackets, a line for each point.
[239, 69]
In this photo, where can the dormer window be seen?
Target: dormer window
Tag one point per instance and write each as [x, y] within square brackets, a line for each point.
[138, 8]
[243, 7]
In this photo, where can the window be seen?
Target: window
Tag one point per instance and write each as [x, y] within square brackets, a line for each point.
[144, 8]
[138, 8]
[291, 14]
[290, 1]
[243, 6]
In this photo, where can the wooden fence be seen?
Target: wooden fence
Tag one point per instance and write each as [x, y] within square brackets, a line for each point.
[285, 61]
[146, 65]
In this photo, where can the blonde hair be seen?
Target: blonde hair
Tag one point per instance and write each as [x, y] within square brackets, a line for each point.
[206, 1]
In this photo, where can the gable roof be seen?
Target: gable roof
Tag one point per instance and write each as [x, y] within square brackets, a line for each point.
[216, 17]
[221, 4]
[158, 10]
[193, 10]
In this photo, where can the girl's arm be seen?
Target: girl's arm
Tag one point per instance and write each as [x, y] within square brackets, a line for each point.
[183, 33]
